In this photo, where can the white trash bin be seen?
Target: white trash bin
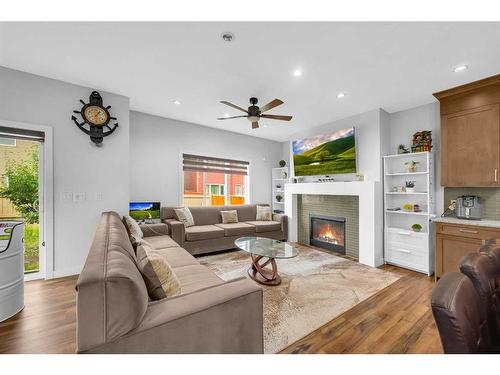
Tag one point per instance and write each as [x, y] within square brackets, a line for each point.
[11, 269]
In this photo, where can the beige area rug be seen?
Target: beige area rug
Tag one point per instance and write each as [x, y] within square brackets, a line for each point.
[316, 287]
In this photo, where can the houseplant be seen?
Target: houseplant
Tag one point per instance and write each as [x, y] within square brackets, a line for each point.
[282, 163]
[416, 227]
[279, 197]
[410, 186]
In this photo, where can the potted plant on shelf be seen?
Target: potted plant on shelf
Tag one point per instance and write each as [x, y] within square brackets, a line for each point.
[416, 227]
[402, 149]
[410, 186]
[279, 197]
[282, 163]
[411, 166]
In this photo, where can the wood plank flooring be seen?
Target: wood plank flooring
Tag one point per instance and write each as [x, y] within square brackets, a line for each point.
[398, 319]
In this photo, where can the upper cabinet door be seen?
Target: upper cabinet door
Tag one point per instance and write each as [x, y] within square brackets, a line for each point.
[470, 147]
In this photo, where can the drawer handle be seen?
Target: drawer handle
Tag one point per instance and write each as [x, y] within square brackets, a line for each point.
[496, 175]
[404, 251]
[468, 231]
[404, 233]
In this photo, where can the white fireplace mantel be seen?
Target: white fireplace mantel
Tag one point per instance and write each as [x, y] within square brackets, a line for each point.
[370, 213]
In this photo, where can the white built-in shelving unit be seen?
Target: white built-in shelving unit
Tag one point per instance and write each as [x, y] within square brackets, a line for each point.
[403, 246]
[279, 178]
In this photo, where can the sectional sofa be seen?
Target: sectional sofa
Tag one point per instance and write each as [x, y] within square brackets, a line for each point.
[210, 235]
[115, 314]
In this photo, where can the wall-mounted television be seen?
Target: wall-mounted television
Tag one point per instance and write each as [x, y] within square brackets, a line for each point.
[325, 154]
[145, 212]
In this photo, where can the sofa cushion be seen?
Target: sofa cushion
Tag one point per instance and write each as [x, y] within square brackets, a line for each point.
[161, 281]
[161, 242]
[203, 232]
[236, 229]
[178, 257]
[196, 277]
[133, 229]
[264, 213]
[229, 217]
[184, 216]
[265, 226]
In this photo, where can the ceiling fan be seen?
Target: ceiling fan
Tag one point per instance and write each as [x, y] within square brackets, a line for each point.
[254, 113]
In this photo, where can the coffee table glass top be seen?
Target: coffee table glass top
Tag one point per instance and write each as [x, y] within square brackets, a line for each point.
[267, 247]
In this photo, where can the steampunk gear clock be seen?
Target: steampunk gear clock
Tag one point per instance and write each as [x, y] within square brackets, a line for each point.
[96, 117]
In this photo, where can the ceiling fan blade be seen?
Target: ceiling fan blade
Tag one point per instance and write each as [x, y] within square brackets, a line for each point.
[234, 106]
[270, 105]
[277, 117]
[228, 118]
[255, 125]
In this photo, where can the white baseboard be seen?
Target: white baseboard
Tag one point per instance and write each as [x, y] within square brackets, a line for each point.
[67, 272]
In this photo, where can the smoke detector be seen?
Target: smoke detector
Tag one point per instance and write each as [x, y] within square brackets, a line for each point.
[227, 37]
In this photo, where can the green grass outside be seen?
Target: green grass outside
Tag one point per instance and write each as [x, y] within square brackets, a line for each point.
[31, 247]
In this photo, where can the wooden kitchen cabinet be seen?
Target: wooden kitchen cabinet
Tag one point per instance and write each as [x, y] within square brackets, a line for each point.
[470, 134]
[454, 241]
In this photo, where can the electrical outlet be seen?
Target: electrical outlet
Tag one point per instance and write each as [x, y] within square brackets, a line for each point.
[79, 197]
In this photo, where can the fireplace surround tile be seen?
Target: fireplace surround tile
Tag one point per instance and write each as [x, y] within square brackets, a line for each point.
[346, 206]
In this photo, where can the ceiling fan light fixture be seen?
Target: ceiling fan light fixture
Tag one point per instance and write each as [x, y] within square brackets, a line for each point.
[253, 118]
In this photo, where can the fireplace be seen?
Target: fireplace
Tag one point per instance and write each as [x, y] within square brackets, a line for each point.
[327, 232]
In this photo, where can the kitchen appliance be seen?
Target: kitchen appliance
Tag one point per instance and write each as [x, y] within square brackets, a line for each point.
[469, 207]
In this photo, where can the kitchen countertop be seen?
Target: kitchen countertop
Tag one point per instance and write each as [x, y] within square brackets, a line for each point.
[479, 223]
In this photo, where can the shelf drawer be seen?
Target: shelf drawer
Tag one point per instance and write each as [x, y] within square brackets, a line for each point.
[469, 231]
[418, 242]
[407, 257]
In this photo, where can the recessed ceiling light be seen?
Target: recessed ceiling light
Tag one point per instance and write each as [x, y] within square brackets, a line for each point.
[340, 95]
[297, 72]
[226, 115]
[176, 102]
[460, 68]
[227, 37]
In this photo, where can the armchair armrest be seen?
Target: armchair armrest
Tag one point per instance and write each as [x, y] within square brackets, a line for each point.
[226, 318]
[177, 230]
[158, 229]
[283, 219]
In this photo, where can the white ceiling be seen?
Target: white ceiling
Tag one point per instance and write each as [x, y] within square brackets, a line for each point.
[393, 66]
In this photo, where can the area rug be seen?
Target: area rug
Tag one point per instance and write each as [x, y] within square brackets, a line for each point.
[316, 287]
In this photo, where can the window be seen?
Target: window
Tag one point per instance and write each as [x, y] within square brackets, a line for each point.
[7, 142]
[213, 181]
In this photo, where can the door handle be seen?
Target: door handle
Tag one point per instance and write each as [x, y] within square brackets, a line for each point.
[468, 231]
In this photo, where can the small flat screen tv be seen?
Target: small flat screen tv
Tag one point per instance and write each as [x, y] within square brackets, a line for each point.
[145, 212]
[325, 154]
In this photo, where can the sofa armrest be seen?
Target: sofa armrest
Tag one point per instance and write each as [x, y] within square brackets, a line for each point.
[283, 219]
[177, 230]
[226, 318]
[158, 229]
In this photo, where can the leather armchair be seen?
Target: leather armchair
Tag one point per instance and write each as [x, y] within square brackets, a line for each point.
[460, 319]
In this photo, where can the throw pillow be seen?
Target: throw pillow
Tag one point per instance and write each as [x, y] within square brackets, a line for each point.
[264, 213]
[184, 216]
[134, 230]
[160, 279]
[229, 217]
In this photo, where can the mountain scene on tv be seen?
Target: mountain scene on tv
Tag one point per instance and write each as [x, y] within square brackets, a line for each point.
[331, 153]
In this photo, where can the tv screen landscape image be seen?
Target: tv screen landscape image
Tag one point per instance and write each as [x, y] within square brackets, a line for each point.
[144, 211]
[330, 153]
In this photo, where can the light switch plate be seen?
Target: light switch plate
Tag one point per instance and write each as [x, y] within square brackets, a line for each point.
[98, 196]
[79, 197]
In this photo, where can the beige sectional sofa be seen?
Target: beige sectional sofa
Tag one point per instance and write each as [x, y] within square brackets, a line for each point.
[115, 314]
[209, 234]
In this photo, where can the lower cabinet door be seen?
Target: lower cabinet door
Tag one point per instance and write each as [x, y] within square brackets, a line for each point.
[450, 250]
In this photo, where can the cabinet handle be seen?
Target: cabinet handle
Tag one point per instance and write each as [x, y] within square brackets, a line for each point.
[468, 231]
[404, 233]
[404, 251]
[496, 175]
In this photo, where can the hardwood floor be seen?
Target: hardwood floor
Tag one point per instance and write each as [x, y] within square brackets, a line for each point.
[398, 319]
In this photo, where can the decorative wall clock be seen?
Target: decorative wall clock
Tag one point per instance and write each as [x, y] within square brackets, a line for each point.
[97, 117]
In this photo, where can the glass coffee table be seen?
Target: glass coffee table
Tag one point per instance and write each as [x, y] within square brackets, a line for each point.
[264, 252]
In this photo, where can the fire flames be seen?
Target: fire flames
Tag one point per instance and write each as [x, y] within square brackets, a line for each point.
[327, 234]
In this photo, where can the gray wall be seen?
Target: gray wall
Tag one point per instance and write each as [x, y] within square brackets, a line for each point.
[79, 166]
[156, 145]
[402, 126]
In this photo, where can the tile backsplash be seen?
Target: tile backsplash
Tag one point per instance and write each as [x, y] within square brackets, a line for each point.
[489, 196]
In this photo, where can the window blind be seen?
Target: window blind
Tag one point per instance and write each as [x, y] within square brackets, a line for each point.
[197, 163]
[29, 135]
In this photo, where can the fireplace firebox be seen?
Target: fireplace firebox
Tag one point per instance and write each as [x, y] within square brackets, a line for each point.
[327, 232]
